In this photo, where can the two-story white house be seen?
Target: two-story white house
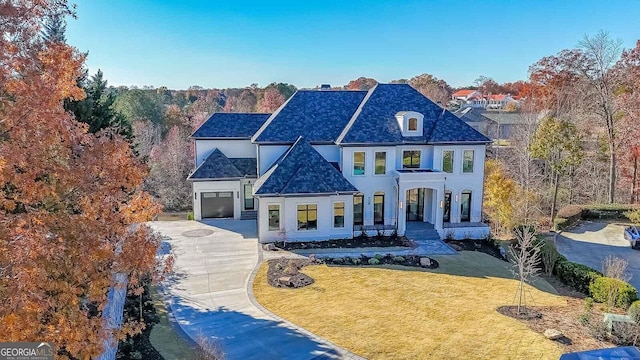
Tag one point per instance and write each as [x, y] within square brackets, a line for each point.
[334, 163]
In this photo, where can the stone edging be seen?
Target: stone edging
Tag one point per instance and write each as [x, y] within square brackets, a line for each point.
[344, 353]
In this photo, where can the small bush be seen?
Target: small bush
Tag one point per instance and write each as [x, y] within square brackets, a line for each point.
[549, 255]
[290, 269]
[398, 259]
[633, 216]
[588, 304]
[575, 275]
[374, 261]
[356, 261]
[613, 292]
[378, 256]
[634, 311]
[190, 216]
[609, 211]
[348, 260]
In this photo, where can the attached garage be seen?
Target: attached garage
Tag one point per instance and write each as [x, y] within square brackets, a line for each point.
[217, 204]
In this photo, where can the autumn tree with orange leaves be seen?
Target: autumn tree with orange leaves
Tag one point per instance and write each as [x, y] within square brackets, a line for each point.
[69, 199]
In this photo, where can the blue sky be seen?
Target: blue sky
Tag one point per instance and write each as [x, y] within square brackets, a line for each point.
[305, 43]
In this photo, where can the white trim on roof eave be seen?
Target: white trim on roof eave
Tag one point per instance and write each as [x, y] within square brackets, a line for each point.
[308, 194]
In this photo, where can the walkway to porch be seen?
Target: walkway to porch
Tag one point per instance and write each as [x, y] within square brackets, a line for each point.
[426, 238]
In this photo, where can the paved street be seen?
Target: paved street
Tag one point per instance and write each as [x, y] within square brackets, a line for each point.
[209, 294]
[592, 241]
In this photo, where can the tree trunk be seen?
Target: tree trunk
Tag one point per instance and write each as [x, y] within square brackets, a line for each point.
[634, 186]
[612, 175]
[555, 199]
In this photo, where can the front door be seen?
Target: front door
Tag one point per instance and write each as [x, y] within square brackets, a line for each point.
[415, 204]
[248, 197]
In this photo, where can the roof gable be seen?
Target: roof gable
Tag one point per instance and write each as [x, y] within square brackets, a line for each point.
[317, 115]
[302, 170]
[218, 166]
[231, 125]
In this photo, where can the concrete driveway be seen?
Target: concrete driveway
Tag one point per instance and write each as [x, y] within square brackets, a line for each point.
[209, 296]
[591, 242]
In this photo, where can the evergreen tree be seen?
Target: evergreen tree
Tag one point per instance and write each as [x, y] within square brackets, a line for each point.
[54, 29]
[96, 109]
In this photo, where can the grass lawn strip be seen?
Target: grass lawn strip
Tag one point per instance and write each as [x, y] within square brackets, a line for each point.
[407, 313]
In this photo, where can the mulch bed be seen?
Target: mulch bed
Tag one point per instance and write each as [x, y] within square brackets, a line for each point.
[285, 273]
[475, 245]
[512, 311]
[357, 242]
[388, 259]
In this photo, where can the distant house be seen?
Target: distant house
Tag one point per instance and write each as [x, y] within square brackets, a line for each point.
[332, 164]
[496, 124]
[475, 99]
[474, 117]
[498, 101]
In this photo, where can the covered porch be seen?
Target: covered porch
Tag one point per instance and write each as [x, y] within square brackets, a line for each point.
[420, 199]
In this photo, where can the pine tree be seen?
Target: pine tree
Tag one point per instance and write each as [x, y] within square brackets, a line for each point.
[54, 29]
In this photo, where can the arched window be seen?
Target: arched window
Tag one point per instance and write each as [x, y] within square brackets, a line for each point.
[358, 218]
[465, 206]
[378, 208]
[446, 215]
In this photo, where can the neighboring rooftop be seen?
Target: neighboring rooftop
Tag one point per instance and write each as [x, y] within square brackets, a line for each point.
[471, 115]
[231, 125]
[375, 123]
[218, 166]
[317, 115]
[302, 170]
[463, 93]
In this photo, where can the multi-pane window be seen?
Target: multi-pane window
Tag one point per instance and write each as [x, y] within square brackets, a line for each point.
[411, 159]
[447, 161]
[338, 215]
[446, 215]
[308, 217]
[357, 209]
[378, 208]
[274, 217]
[467, 161]
[358, 163]
[381, 163]
[413, 124]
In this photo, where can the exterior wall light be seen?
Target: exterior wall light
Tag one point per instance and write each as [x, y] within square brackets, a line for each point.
[441, 204]
[400, 204]
[457, 198]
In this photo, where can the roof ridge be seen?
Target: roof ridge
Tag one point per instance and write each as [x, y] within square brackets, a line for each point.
[271, 117]
[355, 115]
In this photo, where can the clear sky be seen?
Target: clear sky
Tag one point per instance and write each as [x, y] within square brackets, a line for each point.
[235, 43]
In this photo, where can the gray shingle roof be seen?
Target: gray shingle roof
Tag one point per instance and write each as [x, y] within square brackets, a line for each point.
[231, 125]
[302, 170]
[218, 166]
[317, 115]
[375, 120]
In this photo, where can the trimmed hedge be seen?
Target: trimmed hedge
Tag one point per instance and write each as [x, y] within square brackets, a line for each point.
[567, 216]
[602, 288]
[607, 211]
[576, 275]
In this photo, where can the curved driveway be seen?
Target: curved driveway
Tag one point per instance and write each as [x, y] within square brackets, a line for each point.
[591, 242]
[209, 298]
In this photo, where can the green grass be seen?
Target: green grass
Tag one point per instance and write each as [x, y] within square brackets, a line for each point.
[163, 337]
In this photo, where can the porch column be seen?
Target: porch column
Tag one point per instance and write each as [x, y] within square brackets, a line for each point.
[439, 213]
[402, 210]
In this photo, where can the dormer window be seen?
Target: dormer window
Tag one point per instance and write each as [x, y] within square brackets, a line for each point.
[413, 124]
[410, 123]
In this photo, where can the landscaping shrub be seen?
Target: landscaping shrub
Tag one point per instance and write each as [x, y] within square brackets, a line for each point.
[612, 291]
[378, 256]
[356, 261]
[190, 216]
[549, 255]
[398, 259]
[634, 311]
[577, 276]
[608, 211]
[374, 261]
[633, 216]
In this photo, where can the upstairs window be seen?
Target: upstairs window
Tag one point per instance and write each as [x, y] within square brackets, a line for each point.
[447, 161]
[411, 159]
[381, 163]
[413, 124]
[467, 161]
[358, 163]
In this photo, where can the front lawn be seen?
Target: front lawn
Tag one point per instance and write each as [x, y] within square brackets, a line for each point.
[396, 312]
